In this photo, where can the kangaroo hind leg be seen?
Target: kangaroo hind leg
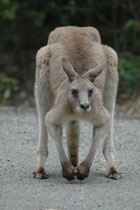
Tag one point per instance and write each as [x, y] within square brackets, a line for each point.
[43, 103]
[109, 103]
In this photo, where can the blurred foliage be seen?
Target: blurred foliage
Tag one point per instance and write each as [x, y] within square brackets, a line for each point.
[25, 26]
[7, 86]
[129, 70]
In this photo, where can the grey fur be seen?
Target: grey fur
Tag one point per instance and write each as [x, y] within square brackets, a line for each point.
[76, 78]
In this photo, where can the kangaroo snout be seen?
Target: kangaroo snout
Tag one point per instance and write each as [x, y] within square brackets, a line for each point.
[84, 107]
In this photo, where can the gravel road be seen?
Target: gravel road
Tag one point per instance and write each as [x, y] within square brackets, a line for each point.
[20, 191]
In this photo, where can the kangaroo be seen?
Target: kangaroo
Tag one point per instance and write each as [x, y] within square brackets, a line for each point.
[76, 79]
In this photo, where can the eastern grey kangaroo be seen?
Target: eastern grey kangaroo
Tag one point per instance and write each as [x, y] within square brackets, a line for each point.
[76, 78]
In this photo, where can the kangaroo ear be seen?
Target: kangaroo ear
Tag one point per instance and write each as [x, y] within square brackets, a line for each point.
[68, 69]
[93, 73]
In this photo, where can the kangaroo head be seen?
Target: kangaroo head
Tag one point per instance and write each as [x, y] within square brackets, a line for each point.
[81, 89]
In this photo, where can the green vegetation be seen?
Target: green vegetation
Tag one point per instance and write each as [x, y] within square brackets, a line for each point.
[25, 26]
[7, 86]
[129, 71]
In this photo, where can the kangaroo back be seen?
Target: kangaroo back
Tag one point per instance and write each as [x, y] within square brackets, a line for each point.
[62, 33]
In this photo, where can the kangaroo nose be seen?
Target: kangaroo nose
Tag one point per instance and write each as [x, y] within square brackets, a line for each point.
[85, 107]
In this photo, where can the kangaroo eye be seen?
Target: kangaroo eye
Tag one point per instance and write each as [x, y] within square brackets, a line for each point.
[74, 92]
[90, 92]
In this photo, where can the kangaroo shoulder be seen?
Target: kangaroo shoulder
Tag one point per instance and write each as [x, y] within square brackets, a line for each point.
[42, 56]
[111, 55]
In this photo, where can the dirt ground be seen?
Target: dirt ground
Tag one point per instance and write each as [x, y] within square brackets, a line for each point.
[20, 191]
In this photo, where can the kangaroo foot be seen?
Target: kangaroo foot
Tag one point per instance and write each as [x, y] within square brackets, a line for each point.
[83, 171]
[40, 174]
[113, 173]
[68, 171]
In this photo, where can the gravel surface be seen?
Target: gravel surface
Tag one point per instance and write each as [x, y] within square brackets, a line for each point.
[20, 191]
